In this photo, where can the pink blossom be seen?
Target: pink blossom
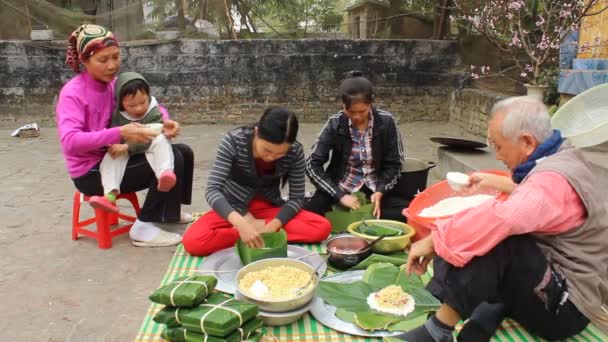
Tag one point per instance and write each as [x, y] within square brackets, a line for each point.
[540, 21]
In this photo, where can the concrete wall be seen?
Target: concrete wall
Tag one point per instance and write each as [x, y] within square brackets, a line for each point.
[470, 108]
[233, 81]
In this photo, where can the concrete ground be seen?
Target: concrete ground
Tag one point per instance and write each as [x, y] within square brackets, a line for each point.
[56, 289]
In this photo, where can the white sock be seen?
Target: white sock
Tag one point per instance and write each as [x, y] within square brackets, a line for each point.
[143, 231]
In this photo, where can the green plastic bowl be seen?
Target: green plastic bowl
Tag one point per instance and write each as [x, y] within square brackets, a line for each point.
[390, 244]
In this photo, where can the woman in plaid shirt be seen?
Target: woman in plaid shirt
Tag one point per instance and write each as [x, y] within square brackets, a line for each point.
[366, 155]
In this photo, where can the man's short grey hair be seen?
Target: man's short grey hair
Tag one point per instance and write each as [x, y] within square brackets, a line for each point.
[524, 114]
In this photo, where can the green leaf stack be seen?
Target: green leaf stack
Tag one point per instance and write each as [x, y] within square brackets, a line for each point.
[350, 299]
[275, 246]
[379, 229]
[341, 217]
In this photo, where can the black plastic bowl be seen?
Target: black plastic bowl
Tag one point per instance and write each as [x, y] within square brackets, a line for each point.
[342, 251]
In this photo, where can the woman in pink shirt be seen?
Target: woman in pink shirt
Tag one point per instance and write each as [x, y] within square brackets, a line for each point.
[84, 111]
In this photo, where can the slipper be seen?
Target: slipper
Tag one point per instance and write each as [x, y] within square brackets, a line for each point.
[185, 218]
[166, 181]
[102, 202]
[163, 239]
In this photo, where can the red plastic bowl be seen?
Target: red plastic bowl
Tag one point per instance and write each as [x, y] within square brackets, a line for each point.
[436, 193]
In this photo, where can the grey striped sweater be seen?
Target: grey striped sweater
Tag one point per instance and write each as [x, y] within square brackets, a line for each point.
[233, 180]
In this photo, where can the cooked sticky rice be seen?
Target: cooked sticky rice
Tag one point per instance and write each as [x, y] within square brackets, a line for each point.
[275, 283]
[392, 300]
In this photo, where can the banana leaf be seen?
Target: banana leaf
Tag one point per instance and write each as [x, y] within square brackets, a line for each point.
[275, 246]
[218, 316]
[168, 316]
[185, 291]
[179, 334]
[396, 259]
[378, 229]
[341, 217]
[372, 321]
[350, 299]
[381, 275]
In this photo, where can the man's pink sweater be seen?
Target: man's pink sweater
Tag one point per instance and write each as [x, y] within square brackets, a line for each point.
[544, 204]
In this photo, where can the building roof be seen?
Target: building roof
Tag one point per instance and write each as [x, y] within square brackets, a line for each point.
[358, 3]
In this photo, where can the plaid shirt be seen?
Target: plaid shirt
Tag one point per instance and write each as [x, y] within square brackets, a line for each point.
[360, 169]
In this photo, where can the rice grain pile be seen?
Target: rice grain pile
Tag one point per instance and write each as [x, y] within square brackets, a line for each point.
[453, 205]
[281, 283]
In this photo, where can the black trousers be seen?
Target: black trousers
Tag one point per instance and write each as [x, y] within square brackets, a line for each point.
[391, 206]
[159, 206]
[517, 274]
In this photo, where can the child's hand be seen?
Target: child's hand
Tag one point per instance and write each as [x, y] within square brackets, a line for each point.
[170, 128]
[116, 150]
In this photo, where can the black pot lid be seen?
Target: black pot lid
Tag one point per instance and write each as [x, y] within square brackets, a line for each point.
[458, 142]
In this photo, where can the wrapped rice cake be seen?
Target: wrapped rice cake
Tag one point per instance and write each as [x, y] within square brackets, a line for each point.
[392, 300]
[245, 333]
[218, 316]
[185, 291]
[169, 316]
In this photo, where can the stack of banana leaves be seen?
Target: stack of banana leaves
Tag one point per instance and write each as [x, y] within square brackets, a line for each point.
[351, 299]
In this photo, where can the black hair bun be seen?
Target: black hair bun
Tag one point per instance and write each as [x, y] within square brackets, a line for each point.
[354, 73]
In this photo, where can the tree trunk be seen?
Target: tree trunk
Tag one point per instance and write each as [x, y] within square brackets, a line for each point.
[442, 19]
[181, 22]
[205, 10]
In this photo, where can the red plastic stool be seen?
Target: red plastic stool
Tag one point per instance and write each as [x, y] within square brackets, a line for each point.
[103, 219]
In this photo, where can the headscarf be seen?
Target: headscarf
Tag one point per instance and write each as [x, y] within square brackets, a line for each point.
[86, 41]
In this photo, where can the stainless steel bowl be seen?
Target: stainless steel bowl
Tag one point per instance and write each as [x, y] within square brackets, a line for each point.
[280, 318]
[277, 305]
[339, 246]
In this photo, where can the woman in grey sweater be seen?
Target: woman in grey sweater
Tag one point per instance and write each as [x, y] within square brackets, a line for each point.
[244, 188]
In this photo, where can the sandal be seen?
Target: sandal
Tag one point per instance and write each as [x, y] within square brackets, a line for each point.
[102, 202]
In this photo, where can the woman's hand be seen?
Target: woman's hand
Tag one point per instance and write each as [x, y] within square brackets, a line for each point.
[250, 236]
[247, 232]
[421, 253]
[137, 134]
[171, 128]
[116, 150]
[273, 226]
[491, 181]
[350, 202]
[376, 198]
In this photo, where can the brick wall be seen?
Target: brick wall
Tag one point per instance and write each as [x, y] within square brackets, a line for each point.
[205, 81]
[470, 108]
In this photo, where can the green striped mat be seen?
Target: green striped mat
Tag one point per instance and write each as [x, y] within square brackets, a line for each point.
[307, 328]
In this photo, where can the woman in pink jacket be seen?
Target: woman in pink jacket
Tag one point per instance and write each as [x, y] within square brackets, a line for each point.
[83, 112]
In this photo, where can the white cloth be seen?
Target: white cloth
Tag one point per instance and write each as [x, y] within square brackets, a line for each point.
[159, 156]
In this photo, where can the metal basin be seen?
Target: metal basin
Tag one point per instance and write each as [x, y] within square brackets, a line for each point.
[277, 305]
[340, 250]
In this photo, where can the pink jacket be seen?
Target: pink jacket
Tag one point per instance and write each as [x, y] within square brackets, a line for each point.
[84, 111]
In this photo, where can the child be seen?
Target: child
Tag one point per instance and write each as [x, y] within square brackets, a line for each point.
[134, 104]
